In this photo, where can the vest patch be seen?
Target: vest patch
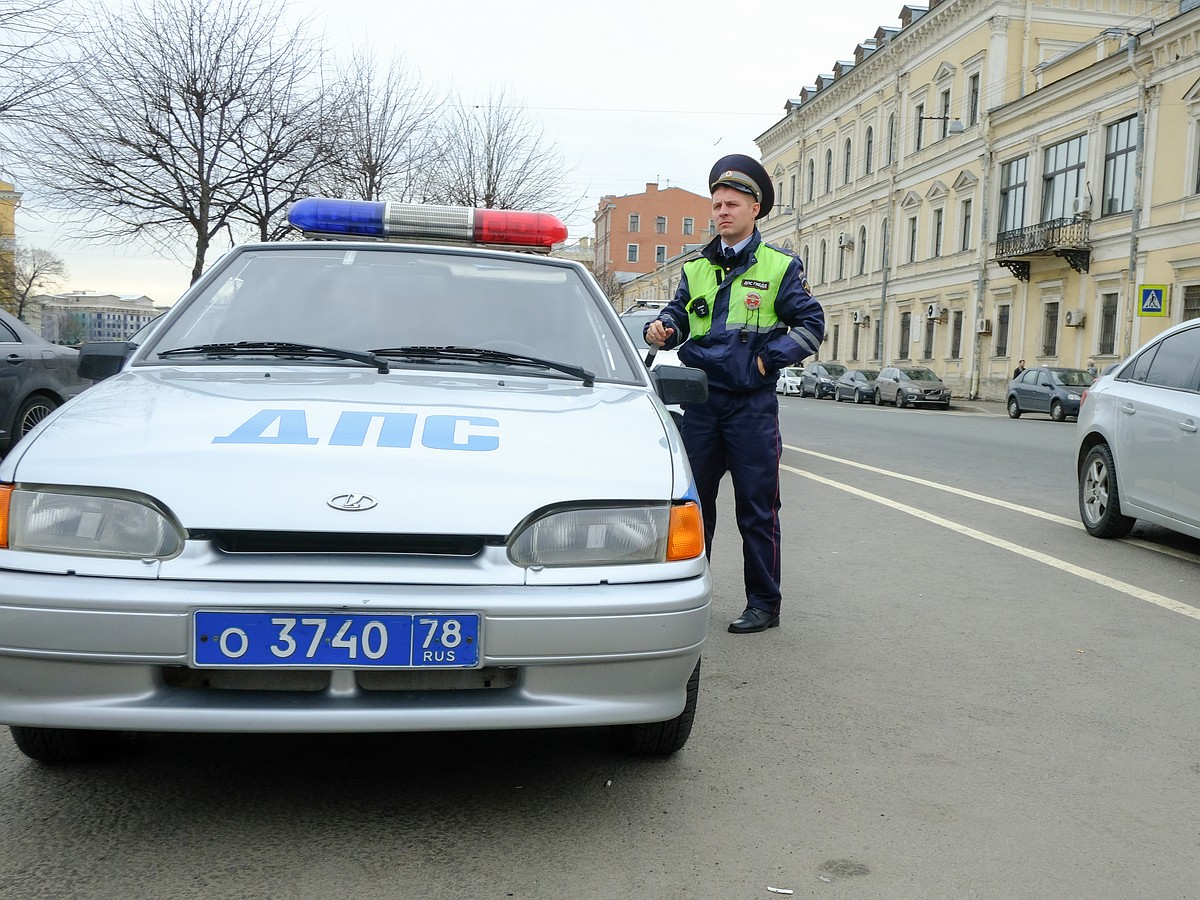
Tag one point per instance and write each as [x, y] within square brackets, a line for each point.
[761, 285]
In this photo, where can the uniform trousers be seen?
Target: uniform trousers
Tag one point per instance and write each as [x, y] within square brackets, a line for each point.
[738, 433]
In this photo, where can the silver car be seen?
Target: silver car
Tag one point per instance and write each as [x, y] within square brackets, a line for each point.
[1138, 455]
[360, 485]
[911, 386]
[789, 381]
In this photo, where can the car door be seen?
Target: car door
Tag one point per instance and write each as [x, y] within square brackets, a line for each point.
[1157, 441]
[15, 374]
[885, 384]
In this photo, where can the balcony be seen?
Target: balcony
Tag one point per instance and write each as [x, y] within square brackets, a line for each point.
[1069, 239]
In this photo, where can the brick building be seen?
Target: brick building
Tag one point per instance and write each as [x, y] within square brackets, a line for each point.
[638, 232]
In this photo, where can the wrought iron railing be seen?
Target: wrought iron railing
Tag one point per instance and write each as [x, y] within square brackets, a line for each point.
[1045, 237]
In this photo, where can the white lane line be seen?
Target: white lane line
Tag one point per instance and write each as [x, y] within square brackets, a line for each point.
[1004, 504]
[1062, 565]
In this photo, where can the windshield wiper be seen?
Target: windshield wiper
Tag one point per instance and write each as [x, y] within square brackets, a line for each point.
[278, 348]
[478, 354]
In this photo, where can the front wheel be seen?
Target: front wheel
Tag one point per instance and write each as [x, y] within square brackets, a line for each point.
[1014, 408]
[1099, 496]
[878, 398]
[837, 396]
[899, 400]
[857, 397]
[57, 746]
[662, 738]
[1057, 413]
[32, 411]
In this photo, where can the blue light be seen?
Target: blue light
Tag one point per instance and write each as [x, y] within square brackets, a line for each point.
[325, 216]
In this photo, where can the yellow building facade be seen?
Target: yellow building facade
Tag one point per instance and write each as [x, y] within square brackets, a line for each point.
[993, 182]
[10, 199]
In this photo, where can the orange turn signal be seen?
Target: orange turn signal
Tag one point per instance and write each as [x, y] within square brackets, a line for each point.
[685, 539]
[5, 499]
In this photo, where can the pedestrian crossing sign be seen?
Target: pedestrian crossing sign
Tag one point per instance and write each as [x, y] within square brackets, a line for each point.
[1152, 300]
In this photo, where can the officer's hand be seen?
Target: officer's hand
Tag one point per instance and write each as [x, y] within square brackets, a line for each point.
[762, 370]
[658, 334]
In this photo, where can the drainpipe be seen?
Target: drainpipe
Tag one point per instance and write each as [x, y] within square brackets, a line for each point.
[1136, 211]
[981, 278]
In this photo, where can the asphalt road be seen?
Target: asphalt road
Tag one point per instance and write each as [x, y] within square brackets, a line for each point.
[968, 697]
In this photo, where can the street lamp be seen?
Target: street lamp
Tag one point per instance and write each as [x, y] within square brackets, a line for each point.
[956, 126]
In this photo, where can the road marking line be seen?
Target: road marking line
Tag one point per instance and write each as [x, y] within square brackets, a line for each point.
[1062, 565]
[1004, 504]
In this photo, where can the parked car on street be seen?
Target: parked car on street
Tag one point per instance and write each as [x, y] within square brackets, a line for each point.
[36, 378]
[857, 385]
[789, 381]
[819, 378]
[911, 386]
[1138, 455]
[1048, 389]
[361, 482]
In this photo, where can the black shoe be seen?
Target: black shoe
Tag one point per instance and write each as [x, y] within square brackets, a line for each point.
[753, 620]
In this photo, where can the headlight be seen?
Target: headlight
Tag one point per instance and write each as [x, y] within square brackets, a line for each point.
[599, 536]
[1072, 396]
[109, 524]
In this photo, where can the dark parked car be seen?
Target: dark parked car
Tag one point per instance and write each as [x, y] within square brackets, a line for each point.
[818, 379]
[857, 385]
[911, 386]
[1048, 389]
[35, 379]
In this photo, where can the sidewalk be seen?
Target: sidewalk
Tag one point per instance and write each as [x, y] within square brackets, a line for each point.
[981, 407]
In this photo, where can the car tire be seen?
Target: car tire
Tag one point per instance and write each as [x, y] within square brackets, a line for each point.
[1057, 413]
[878, 398]
[32, 411]
[857, 397]
[945, 406]
[899, 400]
[57, 746]
[837, 396]
[662, 738]
[1100, 497]
[1014, 408]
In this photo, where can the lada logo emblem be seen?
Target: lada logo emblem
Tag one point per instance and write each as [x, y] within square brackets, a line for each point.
[352, 502]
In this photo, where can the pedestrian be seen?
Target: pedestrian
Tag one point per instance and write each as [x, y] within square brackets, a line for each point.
[743, 312]
[1019, 369]
[1091, 369]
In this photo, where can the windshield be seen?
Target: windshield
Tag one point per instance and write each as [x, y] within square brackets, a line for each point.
[1073, 377]
[919, 374]
[358, 300]
[869, 374]
[792, 372]
[835, 370]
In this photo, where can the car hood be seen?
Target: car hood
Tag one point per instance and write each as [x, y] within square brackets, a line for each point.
[266, 449]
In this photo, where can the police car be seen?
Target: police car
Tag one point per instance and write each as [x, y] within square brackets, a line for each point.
[372, 480]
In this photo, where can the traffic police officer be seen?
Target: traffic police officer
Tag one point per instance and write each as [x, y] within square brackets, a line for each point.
[742, 313]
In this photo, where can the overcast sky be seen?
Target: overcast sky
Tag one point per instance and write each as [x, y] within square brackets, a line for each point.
[630, 91]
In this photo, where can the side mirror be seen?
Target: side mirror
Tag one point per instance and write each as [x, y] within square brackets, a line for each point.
[102, 359]
[679, 384]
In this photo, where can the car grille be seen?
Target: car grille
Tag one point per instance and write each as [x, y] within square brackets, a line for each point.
[337, 542]
[317, 680]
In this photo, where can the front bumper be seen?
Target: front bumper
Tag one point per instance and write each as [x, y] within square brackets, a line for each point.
[110, 653]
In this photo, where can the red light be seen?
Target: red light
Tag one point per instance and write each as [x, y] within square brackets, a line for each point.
[525, 229]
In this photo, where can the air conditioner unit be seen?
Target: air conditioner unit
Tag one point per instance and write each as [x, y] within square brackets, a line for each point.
[1082, 207]
[983, 326]
[933, 311]
[1074, 317]
[844, 241]
[861, 317]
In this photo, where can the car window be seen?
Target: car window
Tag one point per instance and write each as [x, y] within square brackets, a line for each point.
[835, 370]
[1044, 379]
[920, 374]
[1029, 376]
[1174, 365]
[868, 374]
[1141, 365]
[1072, 377]
[7, 335]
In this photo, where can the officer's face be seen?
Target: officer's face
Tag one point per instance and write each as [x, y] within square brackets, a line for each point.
[734, 212]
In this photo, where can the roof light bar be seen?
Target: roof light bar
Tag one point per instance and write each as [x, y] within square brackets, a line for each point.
[418, 222]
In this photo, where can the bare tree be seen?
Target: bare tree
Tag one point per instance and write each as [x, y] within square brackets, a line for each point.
[28, 29]
[26, 272]
[495, 157]
[387, 131]
[149, 133]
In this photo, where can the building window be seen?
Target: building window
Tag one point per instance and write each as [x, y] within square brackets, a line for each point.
[847, 162]
[920, 126]
[973, 99]
[689, 225]
[631, 253]
[1002, 315]
[891, 139]
[939, 222]
[883, 242]
[1119, 157]
[805, 257]
[841, 262]
[822, 270]
[1108, 324]
[635, 223]
[905, 335]
[1050, 330]
[1191, 302]
[945, 113]
[862, 250]
[660, 225]
[837, 336]
[956, 335]
[712, 227]
[877, 325]
[965, 217]
[869, 154]
[812, 179]
[660, 254]
[1063, 178]
[929, 330]
[1012, 195]
[912, 239]
[855, 333]
[828, 171]
[792, 192]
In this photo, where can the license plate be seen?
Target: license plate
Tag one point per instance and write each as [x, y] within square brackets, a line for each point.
[331, 640]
